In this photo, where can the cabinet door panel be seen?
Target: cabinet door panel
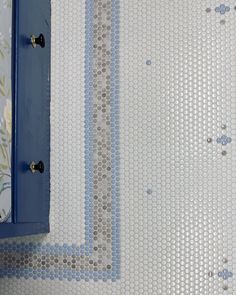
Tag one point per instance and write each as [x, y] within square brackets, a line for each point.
[30, 80]
[32, 107]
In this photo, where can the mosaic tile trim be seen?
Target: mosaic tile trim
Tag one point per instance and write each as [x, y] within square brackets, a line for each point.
[99, 257]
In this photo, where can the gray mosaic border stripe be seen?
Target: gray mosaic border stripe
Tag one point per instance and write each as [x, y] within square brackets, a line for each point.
[101, 258]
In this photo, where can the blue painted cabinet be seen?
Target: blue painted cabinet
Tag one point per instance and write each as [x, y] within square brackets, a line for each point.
[30, 152]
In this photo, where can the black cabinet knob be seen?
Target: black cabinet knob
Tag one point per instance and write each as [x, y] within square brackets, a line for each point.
[37, 167]
[40, 40]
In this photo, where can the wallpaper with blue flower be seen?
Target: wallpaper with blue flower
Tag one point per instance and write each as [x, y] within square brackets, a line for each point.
[5, 96]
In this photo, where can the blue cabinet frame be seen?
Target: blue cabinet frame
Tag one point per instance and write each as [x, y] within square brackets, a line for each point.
[31, 119]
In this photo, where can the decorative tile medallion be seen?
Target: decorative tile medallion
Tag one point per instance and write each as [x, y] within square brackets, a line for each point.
[224, 140]
[222, 9]
[225, 274]
[99, 257]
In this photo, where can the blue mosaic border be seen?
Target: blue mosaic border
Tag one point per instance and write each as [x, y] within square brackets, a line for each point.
[87, 248]
[115, 138]
[89, 126]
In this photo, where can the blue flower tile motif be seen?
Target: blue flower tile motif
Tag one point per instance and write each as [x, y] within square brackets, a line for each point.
[225, 274]
[222, 9]
[224, 140]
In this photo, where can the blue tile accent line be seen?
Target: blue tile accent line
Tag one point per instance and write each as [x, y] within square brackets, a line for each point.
[115, 139]
[89, 126]
[79, 262]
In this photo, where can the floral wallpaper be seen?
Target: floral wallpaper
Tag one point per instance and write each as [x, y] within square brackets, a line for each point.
[5, 98]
